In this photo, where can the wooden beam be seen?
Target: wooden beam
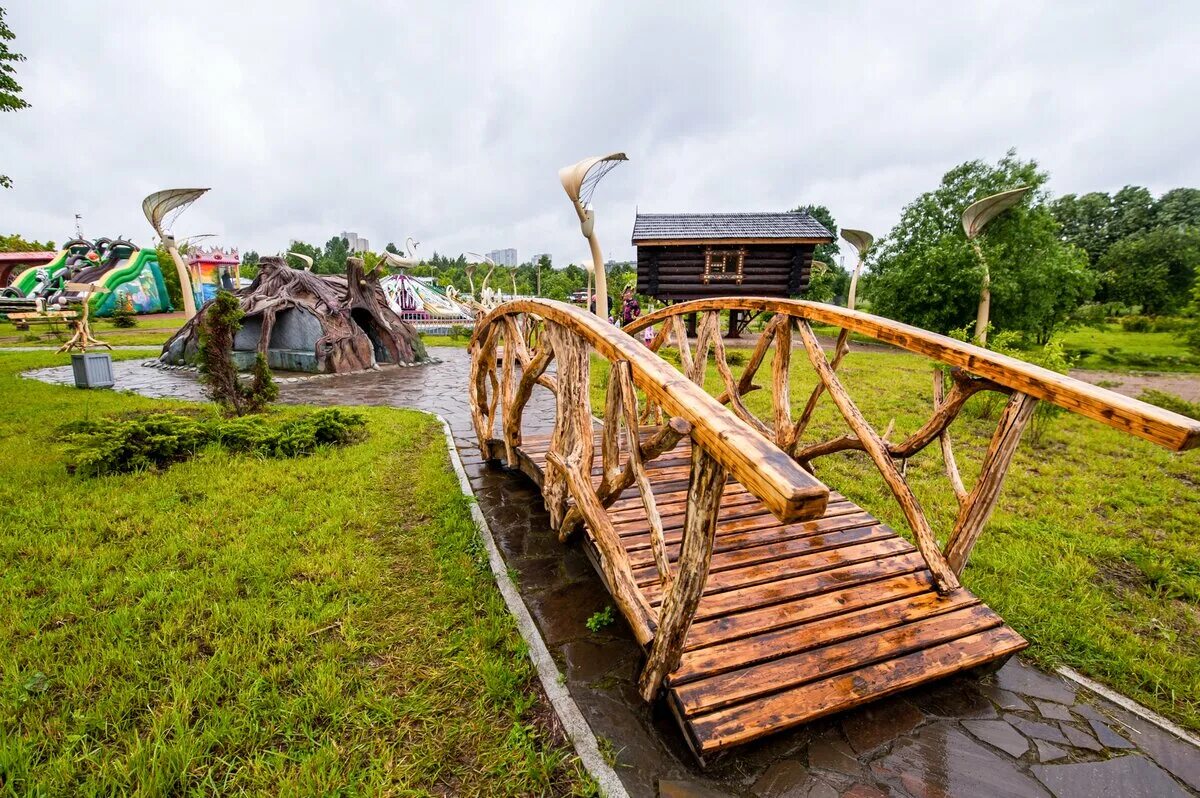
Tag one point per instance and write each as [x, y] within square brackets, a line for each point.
[790, 492]
[1167, 429]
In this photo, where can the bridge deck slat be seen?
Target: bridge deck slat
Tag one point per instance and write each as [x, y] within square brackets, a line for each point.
[799, 620]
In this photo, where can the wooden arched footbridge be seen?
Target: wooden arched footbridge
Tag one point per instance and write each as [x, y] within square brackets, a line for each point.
[763, 598]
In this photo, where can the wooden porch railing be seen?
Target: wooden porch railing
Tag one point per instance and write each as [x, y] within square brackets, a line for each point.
[974, 369]
[536, 333]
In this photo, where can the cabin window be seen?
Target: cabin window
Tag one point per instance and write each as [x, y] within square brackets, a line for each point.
[724, 265]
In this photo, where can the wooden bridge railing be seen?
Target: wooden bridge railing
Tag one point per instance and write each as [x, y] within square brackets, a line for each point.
[536, 333]
[975, 369]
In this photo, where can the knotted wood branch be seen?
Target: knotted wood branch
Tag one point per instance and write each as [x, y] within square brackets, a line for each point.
[952, 474]
[614, 561]
[573, 435]
[664, 439]
[944, 578]
[482, 356]
[840, 349]
[658, 541]
[975, 512]
[680, 603]
[965, 386]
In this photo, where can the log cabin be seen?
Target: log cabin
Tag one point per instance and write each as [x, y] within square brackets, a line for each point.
[685, 256]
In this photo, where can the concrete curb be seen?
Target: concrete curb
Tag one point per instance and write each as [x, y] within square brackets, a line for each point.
[553, 682]
[1148, 715]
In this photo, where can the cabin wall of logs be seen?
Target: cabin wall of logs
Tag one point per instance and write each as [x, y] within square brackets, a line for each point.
[678, 272]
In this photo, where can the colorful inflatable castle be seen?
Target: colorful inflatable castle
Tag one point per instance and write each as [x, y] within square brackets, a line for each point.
[130, 274]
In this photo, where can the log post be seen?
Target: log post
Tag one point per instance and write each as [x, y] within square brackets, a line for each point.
[695, 556]
[974, 513]
[572, 437]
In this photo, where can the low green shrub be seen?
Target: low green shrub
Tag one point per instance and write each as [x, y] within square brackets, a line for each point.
[1137, 324]
[1170, 401]
[123, 315]
[157, 440]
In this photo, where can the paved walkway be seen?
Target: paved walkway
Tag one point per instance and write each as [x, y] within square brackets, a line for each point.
[1020, 732]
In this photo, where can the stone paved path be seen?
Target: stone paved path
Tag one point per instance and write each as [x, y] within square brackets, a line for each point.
[1019, 732]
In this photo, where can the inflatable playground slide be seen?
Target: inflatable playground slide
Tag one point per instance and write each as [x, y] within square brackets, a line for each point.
[120, 266]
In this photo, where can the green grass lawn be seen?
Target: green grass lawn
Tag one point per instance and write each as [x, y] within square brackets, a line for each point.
[1114, 349]
[317, 626]
[1092, 553]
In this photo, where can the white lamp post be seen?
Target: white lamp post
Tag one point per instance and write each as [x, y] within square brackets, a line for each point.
[974, 219]
[579, 181]
[157, 207]
[861, 240]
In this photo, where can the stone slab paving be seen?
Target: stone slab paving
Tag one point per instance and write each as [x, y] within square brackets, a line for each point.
[1017, 732]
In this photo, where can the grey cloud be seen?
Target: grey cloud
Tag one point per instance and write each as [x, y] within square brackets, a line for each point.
[448, 122]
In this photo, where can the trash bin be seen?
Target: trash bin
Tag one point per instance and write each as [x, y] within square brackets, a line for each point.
[92, 370]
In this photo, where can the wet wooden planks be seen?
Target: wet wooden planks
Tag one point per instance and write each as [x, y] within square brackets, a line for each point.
[799, 620]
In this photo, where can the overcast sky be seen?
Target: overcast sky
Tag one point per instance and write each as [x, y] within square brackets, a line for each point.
[448, 123]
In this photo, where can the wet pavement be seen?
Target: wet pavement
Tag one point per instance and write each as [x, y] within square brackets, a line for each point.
[1017, 732]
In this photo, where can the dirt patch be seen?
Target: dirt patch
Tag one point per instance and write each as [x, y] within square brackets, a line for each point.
[1185, 386]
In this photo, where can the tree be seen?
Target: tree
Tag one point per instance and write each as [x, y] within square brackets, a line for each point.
[1086, 222]
[333, 259]
[1155, 270]
[1179, 207]
[10, 90]
[16, 243]
[925, 272]
[170, 276]
[833, 282]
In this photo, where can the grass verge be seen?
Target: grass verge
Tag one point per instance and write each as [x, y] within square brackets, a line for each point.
[1115, 349]
[1092, 552]
[324, 625]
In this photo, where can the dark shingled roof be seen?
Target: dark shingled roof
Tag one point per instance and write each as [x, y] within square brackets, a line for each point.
[692, 226]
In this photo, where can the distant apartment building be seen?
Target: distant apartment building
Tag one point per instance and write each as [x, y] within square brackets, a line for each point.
[504, 257]
[356, 244]
[538, 257]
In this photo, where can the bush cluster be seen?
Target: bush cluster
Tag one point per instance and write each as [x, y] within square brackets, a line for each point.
[1170, 401]
[157, 440]
[1153, 324]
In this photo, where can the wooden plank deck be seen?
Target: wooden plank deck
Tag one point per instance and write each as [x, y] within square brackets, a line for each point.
[797, 621]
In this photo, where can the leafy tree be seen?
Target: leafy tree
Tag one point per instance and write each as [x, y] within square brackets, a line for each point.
[1086, 222]
[248, 268]
[925, 272]
[15, 243]
[392, 248]
[832, 282]
[170, 276]
[10, 90]
[333, 259]
[1133, 212]
[1154, 270]
[1179, 207]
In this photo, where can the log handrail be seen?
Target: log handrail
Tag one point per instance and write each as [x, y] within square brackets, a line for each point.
[788, 491]
[723, 444]
[974, 369]
[1155, 424]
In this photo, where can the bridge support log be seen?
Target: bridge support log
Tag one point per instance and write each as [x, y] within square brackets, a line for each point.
[977, 509]
[679, 608]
